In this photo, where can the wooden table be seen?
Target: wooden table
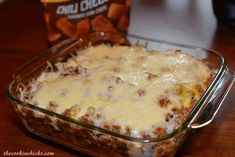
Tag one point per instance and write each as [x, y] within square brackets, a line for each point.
[23, 35]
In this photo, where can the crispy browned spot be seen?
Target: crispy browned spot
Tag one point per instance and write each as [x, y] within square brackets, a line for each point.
[116, 128]
[151, 76]
[160, 131]
[163, 101]
[116, 79]
[116, 69]
[169, 116]
[141, 92]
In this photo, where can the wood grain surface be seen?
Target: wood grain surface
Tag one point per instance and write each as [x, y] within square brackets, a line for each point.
[23, 35]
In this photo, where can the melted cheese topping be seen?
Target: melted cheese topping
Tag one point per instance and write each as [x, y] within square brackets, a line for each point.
[123, 84]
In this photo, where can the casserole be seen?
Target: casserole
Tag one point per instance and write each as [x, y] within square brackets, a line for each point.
[98, 141]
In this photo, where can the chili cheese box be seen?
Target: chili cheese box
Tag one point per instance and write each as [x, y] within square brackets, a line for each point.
[79, 18]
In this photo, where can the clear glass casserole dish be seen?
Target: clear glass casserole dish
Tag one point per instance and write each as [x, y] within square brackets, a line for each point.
[97, 141]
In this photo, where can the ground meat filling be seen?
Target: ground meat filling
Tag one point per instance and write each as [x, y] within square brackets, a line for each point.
[128, 90]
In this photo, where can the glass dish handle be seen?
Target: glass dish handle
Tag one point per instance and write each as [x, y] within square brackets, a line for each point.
[206, 114]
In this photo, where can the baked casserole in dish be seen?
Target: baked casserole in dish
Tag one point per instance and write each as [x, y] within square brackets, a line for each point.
[105, 95]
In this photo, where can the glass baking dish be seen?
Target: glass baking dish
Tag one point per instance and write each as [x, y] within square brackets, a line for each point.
[97, 141]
